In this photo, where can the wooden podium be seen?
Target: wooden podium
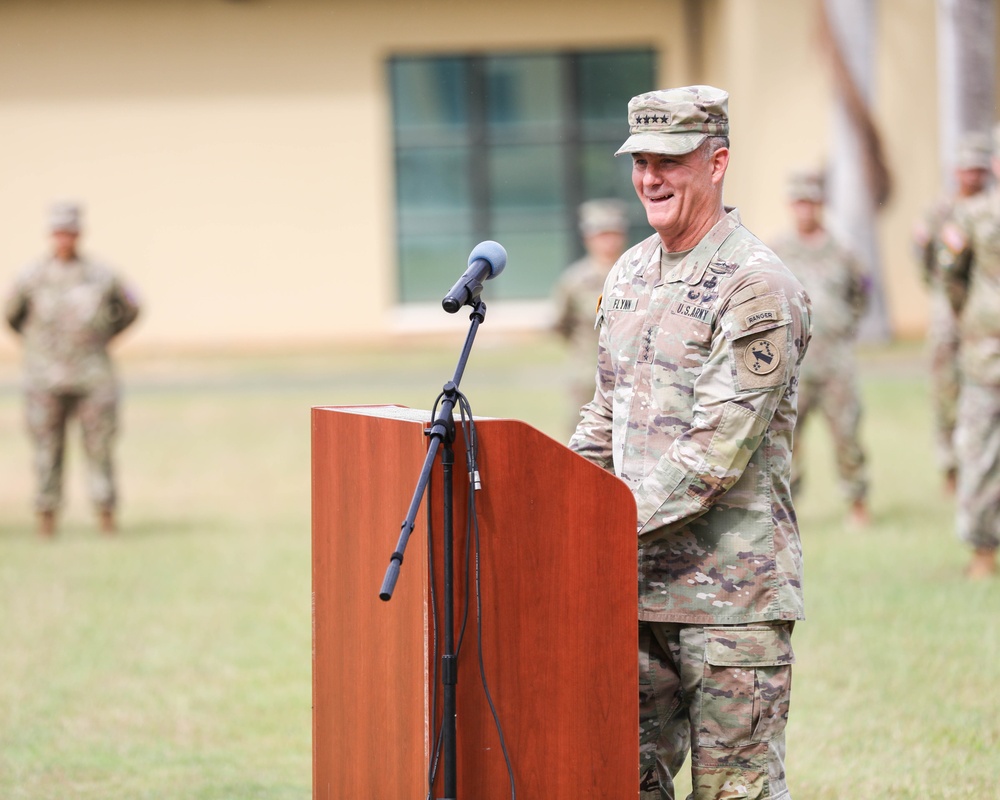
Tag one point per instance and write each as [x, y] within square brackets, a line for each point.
[558, 576]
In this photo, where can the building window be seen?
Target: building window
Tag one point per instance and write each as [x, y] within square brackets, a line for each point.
[505, 147]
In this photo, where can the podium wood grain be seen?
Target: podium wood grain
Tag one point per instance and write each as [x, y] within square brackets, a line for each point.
[558, 576]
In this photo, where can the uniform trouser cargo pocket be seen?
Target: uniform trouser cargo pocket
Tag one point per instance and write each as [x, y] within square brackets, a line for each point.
[746, 685]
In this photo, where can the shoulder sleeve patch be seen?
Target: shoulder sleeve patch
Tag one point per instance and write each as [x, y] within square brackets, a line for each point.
[761, 361]
[759, 332]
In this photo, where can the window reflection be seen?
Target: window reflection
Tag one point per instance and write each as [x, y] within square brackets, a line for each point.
[506, 146]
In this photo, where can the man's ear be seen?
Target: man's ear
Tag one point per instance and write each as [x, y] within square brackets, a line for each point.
[720, 161]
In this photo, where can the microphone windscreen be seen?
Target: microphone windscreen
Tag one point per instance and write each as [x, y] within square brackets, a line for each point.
[492, 252]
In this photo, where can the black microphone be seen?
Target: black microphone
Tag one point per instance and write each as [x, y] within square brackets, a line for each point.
[486, 261]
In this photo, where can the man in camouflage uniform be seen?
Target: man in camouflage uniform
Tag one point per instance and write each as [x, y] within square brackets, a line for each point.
[838, 288]
[972, 164]
[603, 226]
[701, 332]
[67, 308]
[971, 274]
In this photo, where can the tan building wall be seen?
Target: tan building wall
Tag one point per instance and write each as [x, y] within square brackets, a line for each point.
[235, 157]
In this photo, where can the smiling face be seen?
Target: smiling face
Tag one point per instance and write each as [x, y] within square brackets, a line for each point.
[682, 195]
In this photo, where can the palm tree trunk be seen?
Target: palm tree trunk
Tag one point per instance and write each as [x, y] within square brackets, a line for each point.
[966, 63]
[858, 179]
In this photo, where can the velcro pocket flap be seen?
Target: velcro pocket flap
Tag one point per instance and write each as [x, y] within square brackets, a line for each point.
[752, 646]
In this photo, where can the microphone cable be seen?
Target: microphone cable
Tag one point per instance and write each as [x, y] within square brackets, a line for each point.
[472, 452]
[468, 426]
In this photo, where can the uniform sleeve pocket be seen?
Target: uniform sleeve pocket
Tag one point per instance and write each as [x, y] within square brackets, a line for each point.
[760, 342]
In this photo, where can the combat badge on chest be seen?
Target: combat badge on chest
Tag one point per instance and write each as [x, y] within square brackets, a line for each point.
[699, 299]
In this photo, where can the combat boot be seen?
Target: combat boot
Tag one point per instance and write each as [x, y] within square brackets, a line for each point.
[47, 524]
[106, 521]
[983, 564]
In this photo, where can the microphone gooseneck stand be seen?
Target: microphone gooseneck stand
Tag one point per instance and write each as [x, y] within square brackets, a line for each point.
[442, 437]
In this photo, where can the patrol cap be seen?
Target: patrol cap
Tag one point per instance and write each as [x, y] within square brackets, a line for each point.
[806, 184]
[675, 121]
[64, 215]
[974, 151]
[600, 216]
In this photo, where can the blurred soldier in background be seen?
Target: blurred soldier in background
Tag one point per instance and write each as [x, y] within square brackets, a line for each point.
[67, 308]
[604, 227]
[972, 165]
[970, 264]
[838, 289]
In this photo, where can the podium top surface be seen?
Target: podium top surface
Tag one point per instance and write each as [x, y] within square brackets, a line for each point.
[403, 413]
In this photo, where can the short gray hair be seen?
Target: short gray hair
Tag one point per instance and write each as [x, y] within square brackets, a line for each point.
[712, 144]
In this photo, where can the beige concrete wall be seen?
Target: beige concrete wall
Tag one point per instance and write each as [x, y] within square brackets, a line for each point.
[235, 157]
[768, 58]
[208, 142]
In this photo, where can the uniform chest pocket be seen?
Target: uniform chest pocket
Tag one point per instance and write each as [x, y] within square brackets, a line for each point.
[680, 350]
[759, 336]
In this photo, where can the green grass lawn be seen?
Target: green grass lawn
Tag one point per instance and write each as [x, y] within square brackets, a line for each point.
[173, 661]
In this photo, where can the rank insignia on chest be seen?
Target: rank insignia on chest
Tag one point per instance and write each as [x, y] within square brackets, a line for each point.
[700, 313]
[761, 357]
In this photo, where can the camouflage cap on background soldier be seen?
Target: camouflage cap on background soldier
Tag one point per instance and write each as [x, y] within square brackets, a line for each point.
[600, 216]
[974, 151]
[64, 215]
[676, 121]
[806, 184]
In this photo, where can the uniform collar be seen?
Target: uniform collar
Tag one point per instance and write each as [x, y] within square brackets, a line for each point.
[692, 269]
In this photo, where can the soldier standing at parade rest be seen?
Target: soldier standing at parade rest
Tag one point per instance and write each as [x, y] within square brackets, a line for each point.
[67, 308]
[972, 170]
[971, 274]
[838, 288]
[603, 226]
[701, 331]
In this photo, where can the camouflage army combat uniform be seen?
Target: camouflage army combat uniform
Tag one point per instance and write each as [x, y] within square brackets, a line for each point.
[838, 290]
[973, 154]
[575, 296]
[67, 313]
[942, 334]
[578, 290]
[972, 277]
[695, 408]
